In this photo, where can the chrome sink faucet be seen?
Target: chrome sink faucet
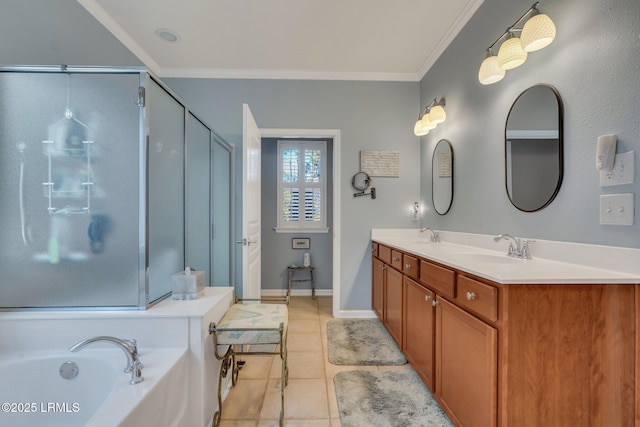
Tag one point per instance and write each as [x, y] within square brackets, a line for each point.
[130, 350]
[435, 236]
[518, 248]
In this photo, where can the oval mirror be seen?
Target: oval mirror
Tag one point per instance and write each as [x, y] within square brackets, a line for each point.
[442, 177]
[533, 148]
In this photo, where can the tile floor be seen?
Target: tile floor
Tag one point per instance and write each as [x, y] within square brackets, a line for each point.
[310, 399]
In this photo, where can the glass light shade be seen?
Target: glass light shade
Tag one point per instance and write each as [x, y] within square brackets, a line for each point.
[538, 32]
[418, 130]
[511, 54]
[437, 114]
[427, 123]
[490, 72]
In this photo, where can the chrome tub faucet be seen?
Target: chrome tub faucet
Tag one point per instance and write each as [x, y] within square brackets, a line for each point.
[130, 350]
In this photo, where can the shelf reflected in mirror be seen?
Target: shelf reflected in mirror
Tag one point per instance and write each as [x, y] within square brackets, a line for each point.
[442, 177]
[533, 148]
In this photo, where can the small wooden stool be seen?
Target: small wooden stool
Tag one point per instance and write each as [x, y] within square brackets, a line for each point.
[246, 323]
[290, 271]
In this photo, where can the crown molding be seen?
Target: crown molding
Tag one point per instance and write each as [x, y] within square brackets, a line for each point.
[446, 40]
[220, 73]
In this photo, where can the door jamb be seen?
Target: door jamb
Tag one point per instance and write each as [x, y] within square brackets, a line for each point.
[335, 135]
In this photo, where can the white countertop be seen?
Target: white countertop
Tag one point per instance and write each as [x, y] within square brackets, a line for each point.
[551, 263]
[165, 308]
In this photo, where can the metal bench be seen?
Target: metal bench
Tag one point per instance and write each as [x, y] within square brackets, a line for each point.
[250, 323]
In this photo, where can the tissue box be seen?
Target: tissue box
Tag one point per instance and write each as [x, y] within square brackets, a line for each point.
[187, 286]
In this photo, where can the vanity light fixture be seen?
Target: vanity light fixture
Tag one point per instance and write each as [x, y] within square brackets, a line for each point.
[511, 53]
[538, 32]
[432, 115]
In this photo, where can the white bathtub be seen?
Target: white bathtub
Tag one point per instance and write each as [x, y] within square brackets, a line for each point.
[32, 392]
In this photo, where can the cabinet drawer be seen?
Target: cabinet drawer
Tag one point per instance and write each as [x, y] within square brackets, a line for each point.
[374, 249]
[439, 278]
[410, 266]
[478, 297]
[384, 253]
[396, 259]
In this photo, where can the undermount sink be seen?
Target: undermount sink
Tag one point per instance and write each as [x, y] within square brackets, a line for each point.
[485, 258]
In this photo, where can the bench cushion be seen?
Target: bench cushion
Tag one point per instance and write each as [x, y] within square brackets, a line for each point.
[245, 318]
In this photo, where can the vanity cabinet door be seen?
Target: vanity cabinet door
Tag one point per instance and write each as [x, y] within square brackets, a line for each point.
[377, 289]
[466, 366]
[419, 332]
[393, 304]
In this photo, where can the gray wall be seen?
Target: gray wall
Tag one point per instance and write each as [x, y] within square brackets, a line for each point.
[595, 65]
[52, 32]
[277, 253]
[370, 115]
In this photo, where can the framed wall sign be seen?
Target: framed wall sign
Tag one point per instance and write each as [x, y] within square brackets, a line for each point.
[300, 243]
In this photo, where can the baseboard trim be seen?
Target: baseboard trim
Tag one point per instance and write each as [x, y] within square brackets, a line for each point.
[356, 314]
[296, 292]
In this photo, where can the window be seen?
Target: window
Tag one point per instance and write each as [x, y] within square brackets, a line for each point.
[302, 186]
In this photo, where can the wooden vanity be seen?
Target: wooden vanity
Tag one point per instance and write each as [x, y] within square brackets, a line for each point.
[494, 354]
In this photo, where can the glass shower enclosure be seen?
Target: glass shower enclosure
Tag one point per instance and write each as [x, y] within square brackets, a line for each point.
[94, 202]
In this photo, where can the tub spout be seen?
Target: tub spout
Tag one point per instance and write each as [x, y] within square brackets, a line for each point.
[130, 350]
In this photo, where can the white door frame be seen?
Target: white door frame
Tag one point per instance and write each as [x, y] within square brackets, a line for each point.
[335, 135]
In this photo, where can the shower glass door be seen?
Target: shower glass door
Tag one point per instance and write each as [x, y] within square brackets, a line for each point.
[69, 189]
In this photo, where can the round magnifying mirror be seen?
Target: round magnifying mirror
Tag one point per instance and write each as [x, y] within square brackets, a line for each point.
[533, 148]
[361, 181]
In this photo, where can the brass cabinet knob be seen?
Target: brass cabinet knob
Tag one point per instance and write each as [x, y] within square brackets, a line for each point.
[471, 296]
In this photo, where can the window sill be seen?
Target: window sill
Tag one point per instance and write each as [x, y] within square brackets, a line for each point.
[301, 230]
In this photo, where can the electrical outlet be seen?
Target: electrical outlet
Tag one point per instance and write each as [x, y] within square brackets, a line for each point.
[616, 209]
[622, 172]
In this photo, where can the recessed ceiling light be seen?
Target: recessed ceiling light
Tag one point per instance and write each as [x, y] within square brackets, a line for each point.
[167, 35]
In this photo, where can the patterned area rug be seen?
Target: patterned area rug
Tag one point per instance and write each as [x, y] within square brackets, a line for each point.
[361, 342]
[393, 398]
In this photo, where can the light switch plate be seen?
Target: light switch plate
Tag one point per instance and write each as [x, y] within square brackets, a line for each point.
[622, 172]
[616, 209]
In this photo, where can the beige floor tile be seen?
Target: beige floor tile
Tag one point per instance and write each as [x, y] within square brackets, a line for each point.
[335, 422]
[305, 326]
[256, 367]
[333, 400]
[238, 423]
[306, 365]
[244, 401]
[302, 314]
[295, 423]
[307, 423]
[304, 342]
[304, 399]
[303, 301]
